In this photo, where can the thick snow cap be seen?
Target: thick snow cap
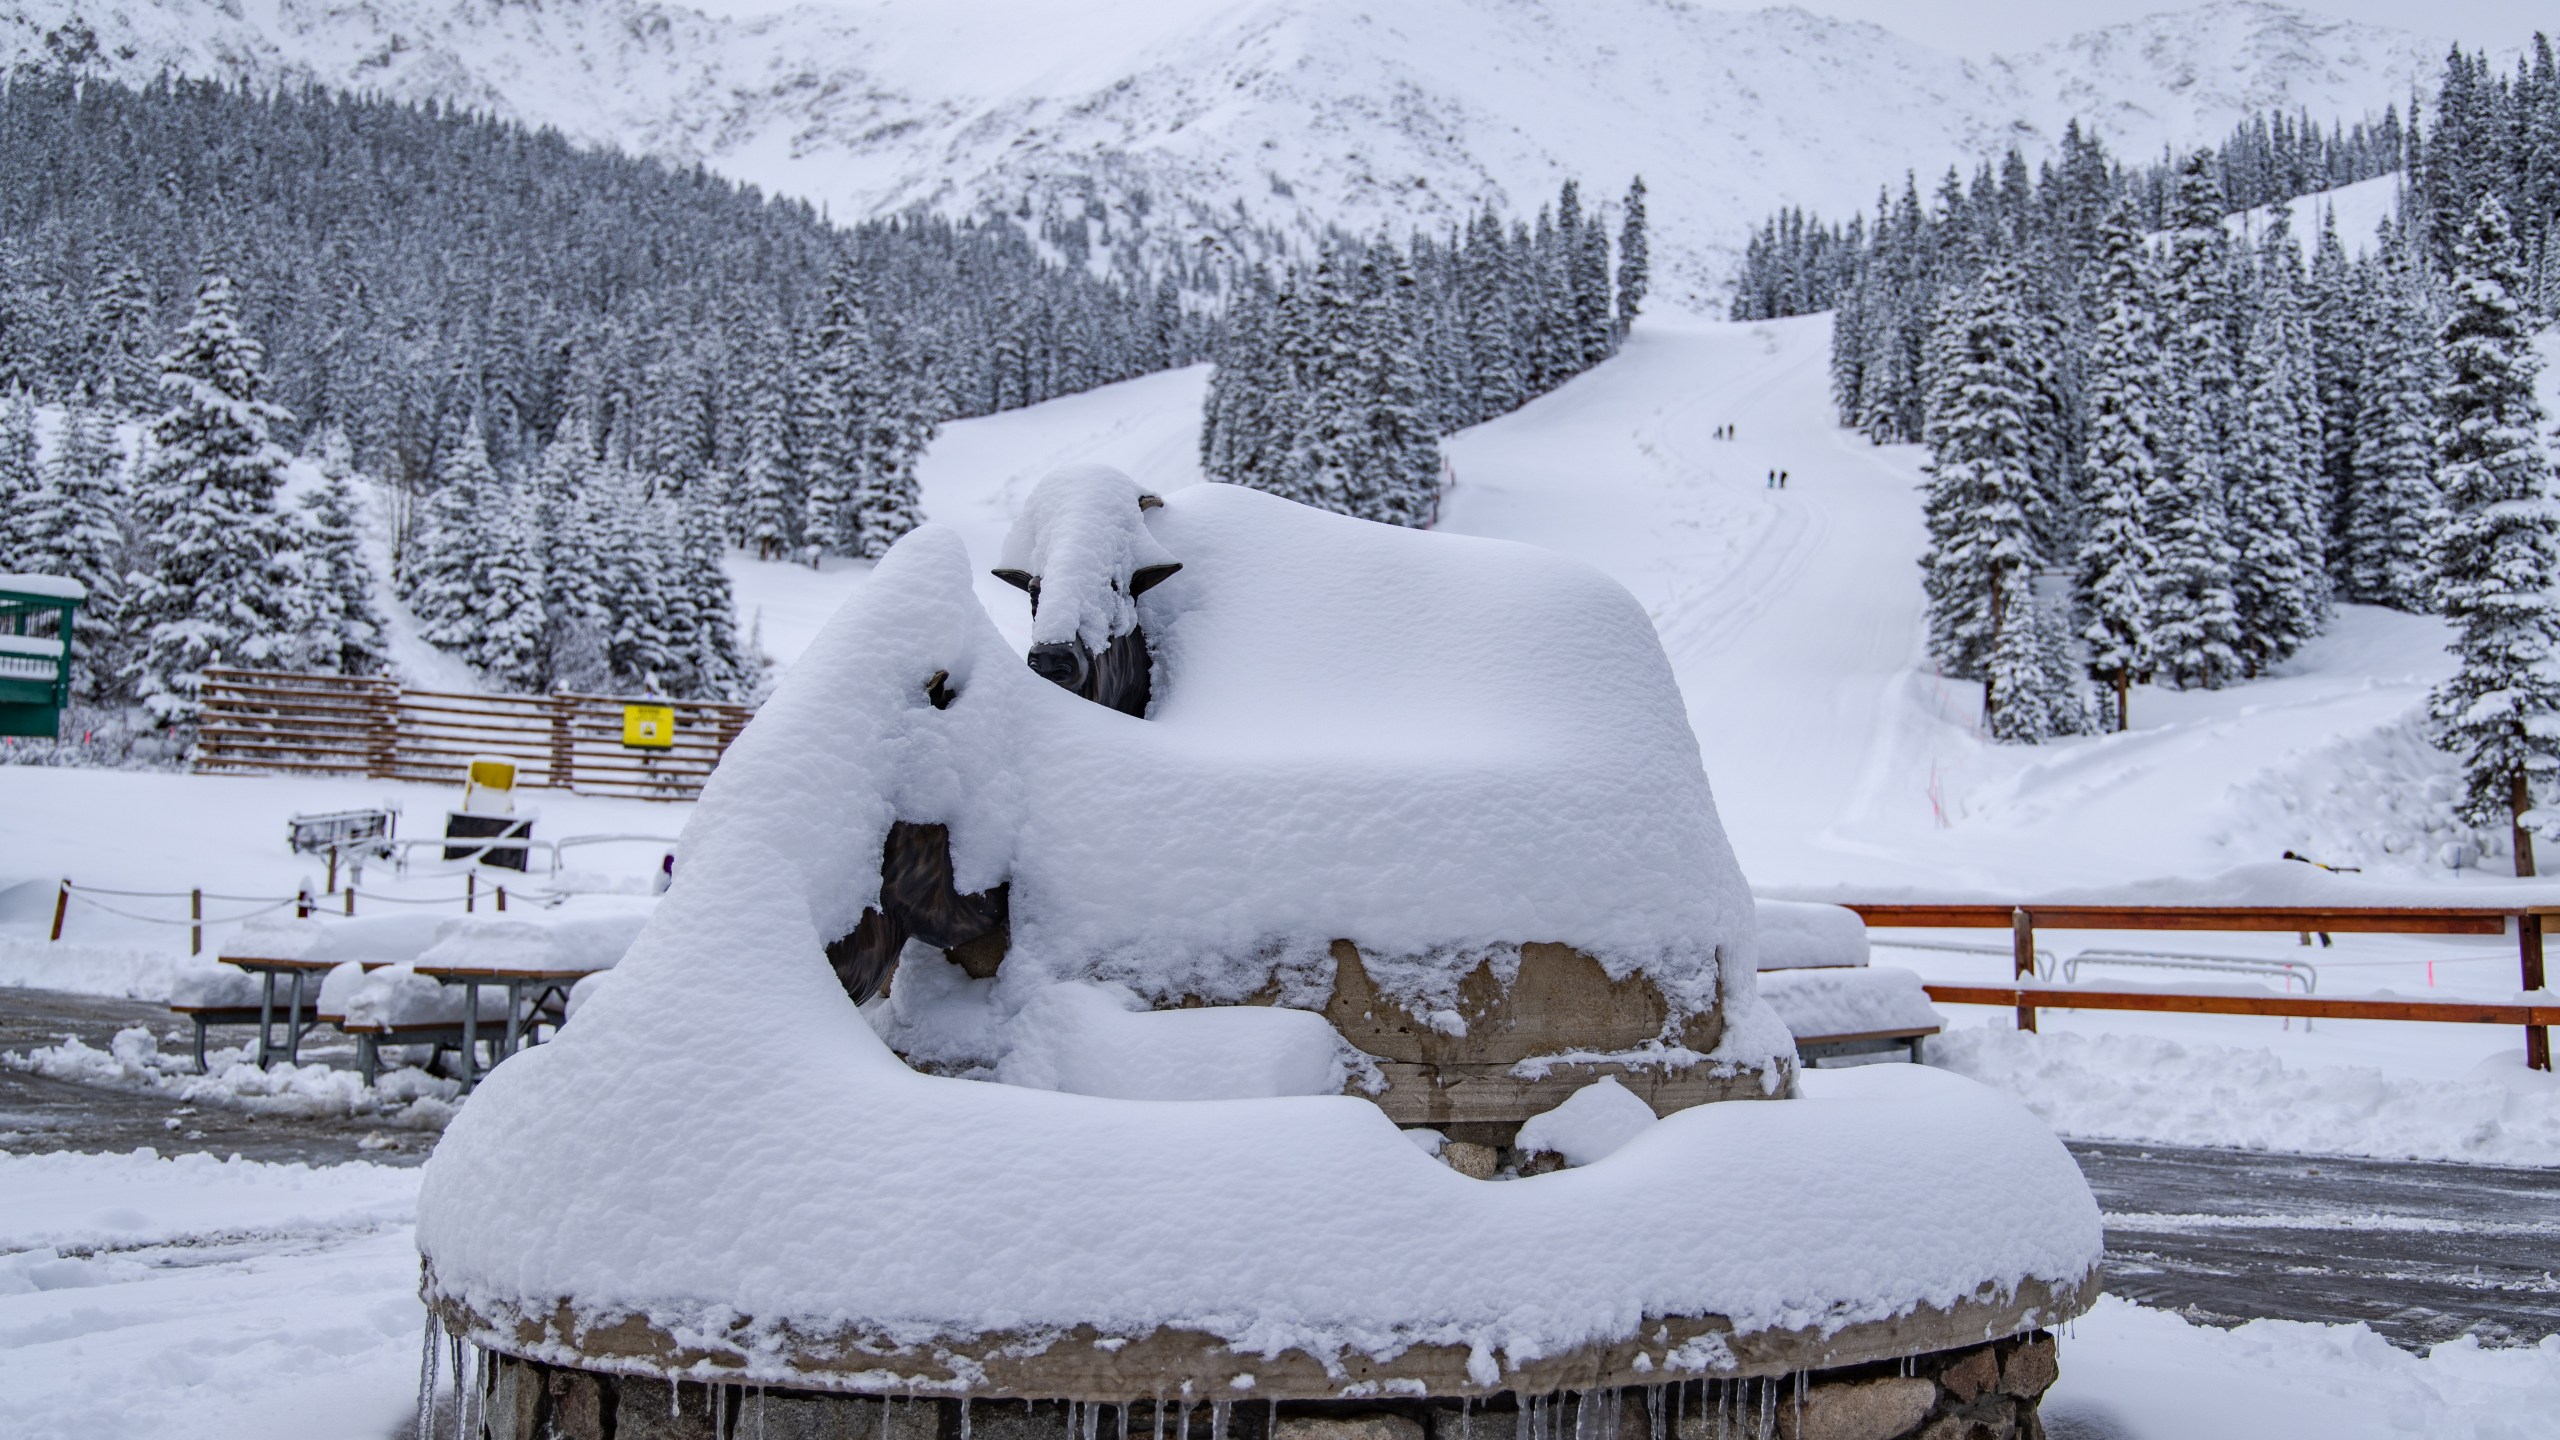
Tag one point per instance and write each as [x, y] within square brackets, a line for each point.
[1416, 742]
[1082, 536]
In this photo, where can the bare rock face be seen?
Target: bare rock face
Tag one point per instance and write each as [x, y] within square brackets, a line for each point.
[1379, 1426]
[2031, 1369]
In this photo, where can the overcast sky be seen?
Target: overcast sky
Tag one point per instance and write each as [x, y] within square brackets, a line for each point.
[1982, 27]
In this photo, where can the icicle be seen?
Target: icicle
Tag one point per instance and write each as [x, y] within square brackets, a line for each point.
[1271, 1420]
[1159, 1408]
[964, 1417]
[428, 1347]
[1093, 1420]
[1522, 1404]
[1182, 1426]
[1466, 1408]
[1768, 1408]
[1217, 1420]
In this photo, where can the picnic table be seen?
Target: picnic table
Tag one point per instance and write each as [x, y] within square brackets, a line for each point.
[536, 961]
[299, 952]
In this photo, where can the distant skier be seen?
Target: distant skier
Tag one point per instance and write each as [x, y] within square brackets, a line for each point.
[1782, 479]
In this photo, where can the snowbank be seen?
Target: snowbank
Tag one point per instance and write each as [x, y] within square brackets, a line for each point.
[587, 941]
[1594, 1123]
[775, 1170]
[2273, 882]
[369, 939]
[399, 995]
[1102, 1040]
[132, 1060]
[2144, 1088]
[1795, 935]
[117, 1202]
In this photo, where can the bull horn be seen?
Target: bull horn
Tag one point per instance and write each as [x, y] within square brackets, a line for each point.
[1022, 580]
[1148, 577]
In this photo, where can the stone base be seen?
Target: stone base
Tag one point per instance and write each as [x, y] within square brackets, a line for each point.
[1981, 1392]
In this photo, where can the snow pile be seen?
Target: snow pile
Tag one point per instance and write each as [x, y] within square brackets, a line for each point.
[399, 995]
[130, 972]
[2144, 1088]
[337, 988]
[1867, 1001]
[221, 987]
[1794, 935]
[371, 939]
[2131, 1371]
[2379, 801]
[1592, 1124]
[1408, 795]
[132, 1060]
[584, 941]
[1102, 1040]
[1082, 536]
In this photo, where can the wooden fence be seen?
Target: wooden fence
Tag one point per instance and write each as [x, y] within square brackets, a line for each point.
[2525, 922]
[262, 721]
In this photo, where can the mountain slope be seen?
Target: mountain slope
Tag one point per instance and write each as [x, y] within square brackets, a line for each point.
[1184, 121]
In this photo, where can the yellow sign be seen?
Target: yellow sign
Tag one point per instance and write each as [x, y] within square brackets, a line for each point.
[492, 774]
[649, 727]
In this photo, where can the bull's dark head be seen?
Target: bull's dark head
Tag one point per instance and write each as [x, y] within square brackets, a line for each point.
[1118, 676]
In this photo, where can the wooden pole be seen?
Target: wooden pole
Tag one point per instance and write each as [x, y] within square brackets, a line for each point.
[502, 899]
[333, 870]
[61, 903]
[2123, 695]
[302, 904]
[195, 912]
[2519, 800]
[351, 902]
[470, 890]
[2022, 944]
[2537, 1039]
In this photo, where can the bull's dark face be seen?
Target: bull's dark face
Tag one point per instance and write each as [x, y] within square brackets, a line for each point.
[1119, 676]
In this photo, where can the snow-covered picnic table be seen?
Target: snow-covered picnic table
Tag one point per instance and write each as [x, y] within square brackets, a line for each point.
[298, 951]
[536, 961]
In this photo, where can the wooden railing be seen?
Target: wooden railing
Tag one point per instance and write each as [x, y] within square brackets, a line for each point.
[266, 721]
[2027, 996]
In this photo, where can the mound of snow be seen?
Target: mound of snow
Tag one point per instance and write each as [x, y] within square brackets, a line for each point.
[1592, 1124]
[773, 1169]
[1867, 1001]
[232, 1079]
[1795, 935]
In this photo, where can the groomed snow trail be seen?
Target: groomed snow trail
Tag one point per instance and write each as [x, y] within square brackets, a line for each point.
[1788, 614]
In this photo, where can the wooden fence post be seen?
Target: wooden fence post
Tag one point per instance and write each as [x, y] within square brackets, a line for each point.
[351, 901]
[2537, 1039]
[2022, 944]
[470, 891]
[195, 912]
[564, 750]
[302, 903]
[61, 903]
[502, 899]
[382, 751]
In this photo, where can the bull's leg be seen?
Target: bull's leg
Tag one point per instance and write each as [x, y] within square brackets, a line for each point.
[863, 959]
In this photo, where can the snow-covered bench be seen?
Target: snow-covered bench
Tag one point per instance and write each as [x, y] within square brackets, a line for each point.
[395, 1005]
[1814, 973]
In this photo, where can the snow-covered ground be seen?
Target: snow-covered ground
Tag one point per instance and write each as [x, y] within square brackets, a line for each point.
[264, 1300]
[146, 1297]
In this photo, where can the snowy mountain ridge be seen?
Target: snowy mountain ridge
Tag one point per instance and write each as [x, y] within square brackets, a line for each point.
[1190, 123]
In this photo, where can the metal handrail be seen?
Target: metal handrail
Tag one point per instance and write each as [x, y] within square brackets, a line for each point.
[2289, 970]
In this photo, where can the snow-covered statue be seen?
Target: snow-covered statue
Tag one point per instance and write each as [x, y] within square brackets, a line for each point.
[1081, 544]
[1363, 829]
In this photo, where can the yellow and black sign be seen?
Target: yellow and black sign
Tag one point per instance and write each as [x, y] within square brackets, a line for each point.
[649, 727]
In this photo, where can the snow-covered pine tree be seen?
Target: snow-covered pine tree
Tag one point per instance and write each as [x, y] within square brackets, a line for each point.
[2500, 544]
[886, 500]
[1329, 462]
[1402, 445]
[2397, 505]
[2120, 559]
[1980, 566]
[636, 573]
[845, 385]
[511, 647]
[19, 477]
[2195, 617]
[209, 590]
[2342, 319]
[1490, 288]
[71, 526]
[345, 631]
[2279, 583]
[771, 488]
[447, 575]
[715, 667]
[1635, 262]
[123, 376]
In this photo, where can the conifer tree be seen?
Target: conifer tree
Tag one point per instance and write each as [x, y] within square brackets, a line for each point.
[1980, 565]
[1635, 261]
[19, 478]
[70, 526]
[2279, 583]
[2120, 560]
[2397, 505]
[344, 630]
[509, 646]
[2195, 616]
[2500, 544]
[210, 590]
[449, 570]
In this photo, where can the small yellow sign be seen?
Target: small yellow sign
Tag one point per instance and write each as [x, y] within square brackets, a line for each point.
[489, 774]
[649, 727]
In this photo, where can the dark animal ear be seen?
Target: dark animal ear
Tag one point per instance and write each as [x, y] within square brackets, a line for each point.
[1150, 502]
[1022, 580]
[1148, 577]
[939, 691]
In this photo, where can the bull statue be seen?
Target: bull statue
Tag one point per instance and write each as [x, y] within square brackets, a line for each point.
[1083, 548]
[1081, 551]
